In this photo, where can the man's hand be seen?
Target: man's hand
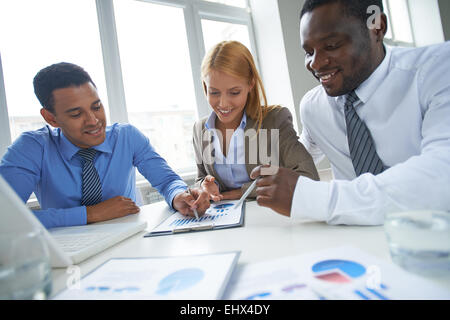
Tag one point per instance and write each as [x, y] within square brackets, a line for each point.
[185, 202]
[275, 191]
[232, 194]
[112, 208]
[212, 188]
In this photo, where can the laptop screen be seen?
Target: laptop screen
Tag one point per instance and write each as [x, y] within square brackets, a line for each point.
[15, 217]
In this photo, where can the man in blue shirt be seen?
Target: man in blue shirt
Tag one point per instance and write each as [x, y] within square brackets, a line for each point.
[50, 162]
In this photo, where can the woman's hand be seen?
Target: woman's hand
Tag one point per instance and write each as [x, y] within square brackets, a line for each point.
[212, 188]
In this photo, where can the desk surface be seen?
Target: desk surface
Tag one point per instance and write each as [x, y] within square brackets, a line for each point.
[266, 235]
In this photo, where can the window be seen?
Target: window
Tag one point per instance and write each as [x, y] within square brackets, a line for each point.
[159, 89]
[144, 57]
[399, 23]
[237, 3]
[216, 31]
[48, 31]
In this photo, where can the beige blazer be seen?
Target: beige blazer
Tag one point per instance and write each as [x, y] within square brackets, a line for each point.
[292, 154]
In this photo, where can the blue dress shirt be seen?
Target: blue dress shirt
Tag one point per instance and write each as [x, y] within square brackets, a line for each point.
[46, 163]
[231, 168]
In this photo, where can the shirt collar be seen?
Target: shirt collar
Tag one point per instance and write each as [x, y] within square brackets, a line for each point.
[371, 84]
[211, 122]
[68, 149]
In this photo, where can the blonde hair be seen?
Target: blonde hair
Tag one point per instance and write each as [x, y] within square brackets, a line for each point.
[233, 58]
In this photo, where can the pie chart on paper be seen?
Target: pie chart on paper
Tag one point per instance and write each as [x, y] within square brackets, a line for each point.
[338, 271]
[180, 280]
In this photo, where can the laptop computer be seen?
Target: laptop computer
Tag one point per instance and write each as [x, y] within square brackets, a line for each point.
[67, 245]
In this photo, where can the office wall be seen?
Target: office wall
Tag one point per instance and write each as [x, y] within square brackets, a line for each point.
[271, 52]
[301, 79]
[281, 58]
[426, 22]
[444, 8]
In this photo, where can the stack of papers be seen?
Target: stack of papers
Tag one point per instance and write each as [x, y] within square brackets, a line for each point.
[344, 273]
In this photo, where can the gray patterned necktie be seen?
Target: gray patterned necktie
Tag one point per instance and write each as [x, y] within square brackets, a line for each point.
[362, 149]
[91, 186]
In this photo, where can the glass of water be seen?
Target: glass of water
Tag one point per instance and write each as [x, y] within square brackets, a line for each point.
[25, 271]
[419, 241]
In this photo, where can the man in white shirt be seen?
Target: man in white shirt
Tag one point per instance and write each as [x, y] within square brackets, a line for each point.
[381, 115]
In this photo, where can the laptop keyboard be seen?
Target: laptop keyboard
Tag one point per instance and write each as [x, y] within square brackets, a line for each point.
[74, 243]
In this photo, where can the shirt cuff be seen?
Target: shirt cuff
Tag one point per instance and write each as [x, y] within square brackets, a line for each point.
[76, 216]
[52, 218]
[173, 194]
[310, 200]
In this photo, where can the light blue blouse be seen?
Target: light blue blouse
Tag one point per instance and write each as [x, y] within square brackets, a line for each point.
[231, 168]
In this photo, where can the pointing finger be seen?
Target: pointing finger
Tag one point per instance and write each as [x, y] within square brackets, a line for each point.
[255, 173]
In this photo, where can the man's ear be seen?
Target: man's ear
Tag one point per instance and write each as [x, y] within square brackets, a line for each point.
[49, 117]
[381, 32]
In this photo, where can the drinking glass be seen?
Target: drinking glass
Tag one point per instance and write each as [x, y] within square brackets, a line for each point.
[25, 272]
[419, 241]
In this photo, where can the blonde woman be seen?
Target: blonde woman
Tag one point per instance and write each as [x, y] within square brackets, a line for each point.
[242, 132]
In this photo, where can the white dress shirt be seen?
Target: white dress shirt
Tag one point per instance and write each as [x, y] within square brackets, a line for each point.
[405, 104]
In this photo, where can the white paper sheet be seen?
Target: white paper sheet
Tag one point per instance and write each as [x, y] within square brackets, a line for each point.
[184, 277]
[340, 273]
[273, 280]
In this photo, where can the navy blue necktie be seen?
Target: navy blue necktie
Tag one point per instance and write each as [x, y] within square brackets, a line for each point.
[362, 149]
[91, 186]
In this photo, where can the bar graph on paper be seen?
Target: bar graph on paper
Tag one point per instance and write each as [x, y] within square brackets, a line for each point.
[219, 214]
[189, 221]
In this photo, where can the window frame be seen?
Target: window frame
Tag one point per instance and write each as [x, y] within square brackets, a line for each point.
[394, 41]
[5, 132]
[194, 11]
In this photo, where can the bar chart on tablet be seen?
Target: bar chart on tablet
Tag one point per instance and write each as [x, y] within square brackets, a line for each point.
[206, 218]
[215, 212]
[218, 215]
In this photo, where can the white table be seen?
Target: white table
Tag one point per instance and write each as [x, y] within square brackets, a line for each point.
[265, 235]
